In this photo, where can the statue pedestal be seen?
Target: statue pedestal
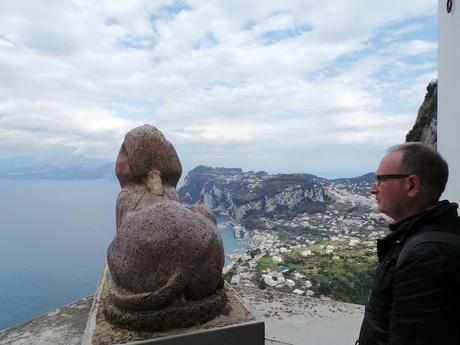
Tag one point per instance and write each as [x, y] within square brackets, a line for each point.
[234, 326]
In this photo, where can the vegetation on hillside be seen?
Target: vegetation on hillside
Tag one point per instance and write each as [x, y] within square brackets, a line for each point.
[424, 129]
[346, 275]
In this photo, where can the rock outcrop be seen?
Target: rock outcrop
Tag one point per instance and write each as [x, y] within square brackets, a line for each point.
[250, 194]
[424, 129]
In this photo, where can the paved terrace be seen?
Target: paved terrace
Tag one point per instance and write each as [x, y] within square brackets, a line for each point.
[289, 319]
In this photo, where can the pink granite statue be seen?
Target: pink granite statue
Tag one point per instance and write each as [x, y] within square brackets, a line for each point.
[166, 259]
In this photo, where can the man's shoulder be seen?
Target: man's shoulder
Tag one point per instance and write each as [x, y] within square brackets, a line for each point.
[445, 221]
[432, 244]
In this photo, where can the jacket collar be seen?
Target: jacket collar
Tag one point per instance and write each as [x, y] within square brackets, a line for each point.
[408, 227]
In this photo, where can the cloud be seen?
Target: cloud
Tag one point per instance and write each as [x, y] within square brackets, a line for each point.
[80, 127]
[418, 47]
[258, 76]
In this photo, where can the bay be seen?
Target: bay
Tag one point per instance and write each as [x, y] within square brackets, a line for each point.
[53, 241]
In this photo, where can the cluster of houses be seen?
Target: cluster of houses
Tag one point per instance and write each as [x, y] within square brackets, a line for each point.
[334, 222]
[332, 233]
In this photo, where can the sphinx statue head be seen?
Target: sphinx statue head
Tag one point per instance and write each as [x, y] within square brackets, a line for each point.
[145, 149]
[166, 259]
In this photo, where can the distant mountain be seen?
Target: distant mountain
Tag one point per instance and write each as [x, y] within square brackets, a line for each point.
[369, 177]
[58, 172]
[358, 184]
[71, 160]
[247, 196]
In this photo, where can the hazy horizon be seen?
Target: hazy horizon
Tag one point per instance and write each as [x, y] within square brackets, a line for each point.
[24, 162]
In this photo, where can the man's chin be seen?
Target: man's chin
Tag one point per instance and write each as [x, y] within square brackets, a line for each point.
[389, 218]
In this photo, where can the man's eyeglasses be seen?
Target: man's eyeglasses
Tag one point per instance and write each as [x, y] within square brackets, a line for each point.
[380, 178]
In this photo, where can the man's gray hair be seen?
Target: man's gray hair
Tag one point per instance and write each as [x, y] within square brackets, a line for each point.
[425, 162]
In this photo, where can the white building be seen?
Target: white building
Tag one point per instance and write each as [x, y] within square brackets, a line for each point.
[449, 94]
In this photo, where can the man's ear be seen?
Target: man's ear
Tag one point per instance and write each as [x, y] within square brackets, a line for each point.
[414, 185]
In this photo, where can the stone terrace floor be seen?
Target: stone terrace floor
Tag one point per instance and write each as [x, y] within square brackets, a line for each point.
[289, 319]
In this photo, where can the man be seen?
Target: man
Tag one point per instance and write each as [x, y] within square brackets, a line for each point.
[415, 300]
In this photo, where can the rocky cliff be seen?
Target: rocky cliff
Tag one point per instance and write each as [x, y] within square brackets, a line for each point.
[424, 129]
[249, 196]
[242, 194]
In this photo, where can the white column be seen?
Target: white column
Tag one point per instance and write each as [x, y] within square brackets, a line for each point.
[449, 94]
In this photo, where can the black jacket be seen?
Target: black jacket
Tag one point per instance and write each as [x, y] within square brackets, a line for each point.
[418, 302]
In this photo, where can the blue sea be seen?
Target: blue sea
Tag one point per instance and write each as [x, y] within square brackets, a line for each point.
[53, 240]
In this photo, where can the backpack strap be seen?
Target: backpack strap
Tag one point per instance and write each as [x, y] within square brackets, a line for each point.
[429, 236]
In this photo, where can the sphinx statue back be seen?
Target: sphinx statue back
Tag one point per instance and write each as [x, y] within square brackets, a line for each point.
[166, 259]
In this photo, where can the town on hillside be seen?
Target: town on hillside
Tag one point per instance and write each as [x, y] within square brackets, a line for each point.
[326, 251]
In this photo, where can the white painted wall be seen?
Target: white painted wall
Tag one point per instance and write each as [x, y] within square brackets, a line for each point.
[449, 94]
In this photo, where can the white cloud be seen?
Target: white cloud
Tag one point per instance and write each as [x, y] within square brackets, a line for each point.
[268, 75]
[79, 127]
[418, 47]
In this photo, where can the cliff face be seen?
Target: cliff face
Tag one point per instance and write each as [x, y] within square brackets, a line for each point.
[250, 194]
[424, 129]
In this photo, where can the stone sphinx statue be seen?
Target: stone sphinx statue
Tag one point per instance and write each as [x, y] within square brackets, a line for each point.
[165, 262]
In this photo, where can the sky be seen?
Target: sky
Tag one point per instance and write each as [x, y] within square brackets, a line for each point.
[321, 87]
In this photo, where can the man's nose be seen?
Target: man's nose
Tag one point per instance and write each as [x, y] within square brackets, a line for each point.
[373, 189]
